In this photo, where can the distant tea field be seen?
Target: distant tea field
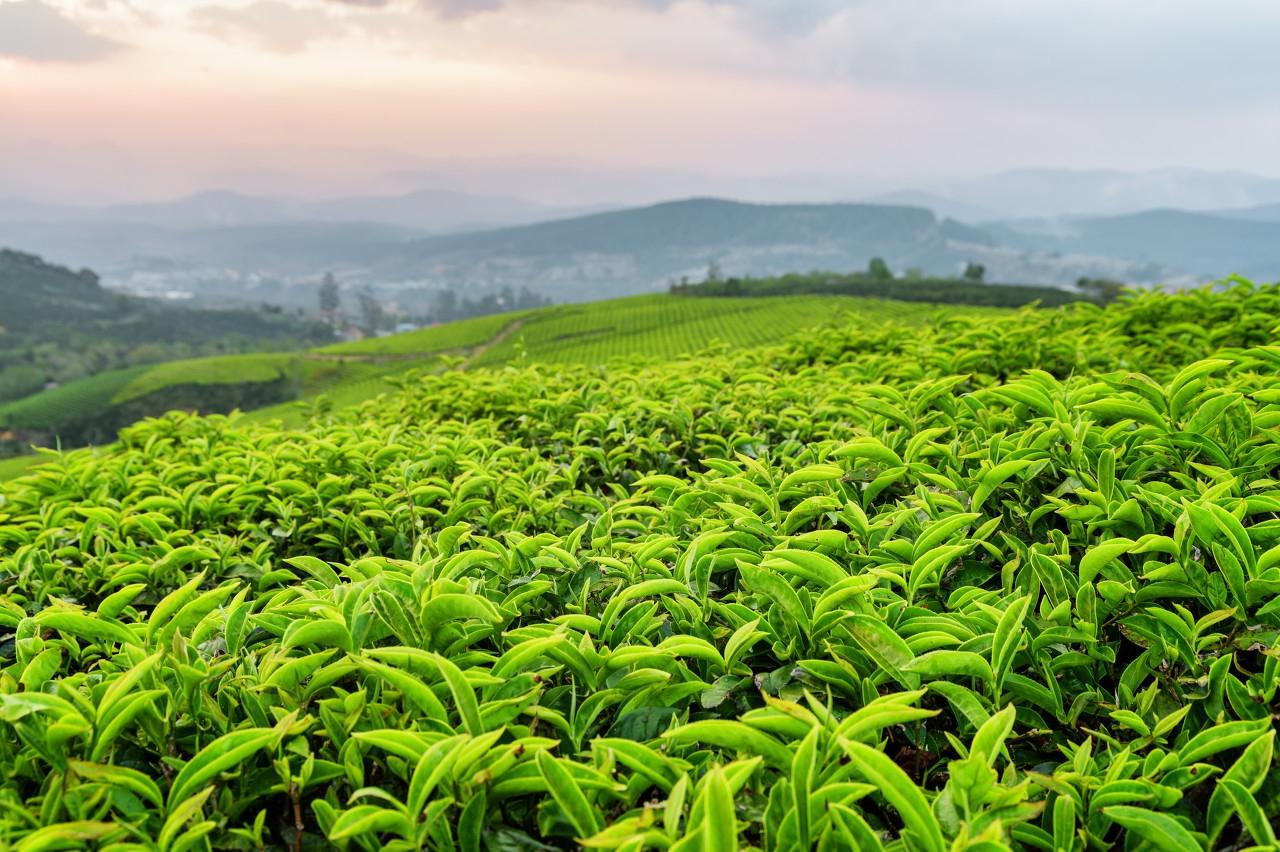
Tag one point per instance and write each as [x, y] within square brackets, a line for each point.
[665, 327]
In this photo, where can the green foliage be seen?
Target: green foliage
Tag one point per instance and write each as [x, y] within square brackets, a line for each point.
[968, 585]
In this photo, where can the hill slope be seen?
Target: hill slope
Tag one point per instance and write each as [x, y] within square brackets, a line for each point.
[58, 325]
[1259, 213]
[1203, 244]
[628, 251]
[1022, 193]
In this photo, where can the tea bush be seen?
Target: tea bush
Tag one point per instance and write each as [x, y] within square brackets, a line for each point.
[976, 584]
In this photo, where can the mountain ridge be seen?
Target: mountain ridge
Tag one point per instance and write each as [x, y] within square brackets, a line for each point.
[639, 249]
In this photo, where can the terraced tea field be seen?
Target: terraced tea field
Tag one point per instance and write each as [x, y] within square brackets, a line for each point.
[57, 404]
[663, 327]
[1003, 581]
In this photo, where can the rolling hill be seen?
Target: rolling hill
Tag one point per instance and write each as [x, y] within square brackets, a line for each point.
[254, 234]
[1201, 244]
[1259, 213]
[641, 249]
[1028, 193]
[119, 249]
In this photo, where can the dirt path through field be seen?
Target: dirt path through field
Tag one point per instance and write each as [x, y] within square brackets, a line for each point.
[510, 329]
[468, 352]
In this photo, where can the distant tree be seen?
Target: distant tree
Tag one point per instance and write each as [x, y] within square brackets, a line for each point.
[975, 272]
[371, 312]
[713, 272]
[879, 270]
[530, 299]
[1100, 290]
[914, 273]
[446, 306]
[330, 300]
[20, 381]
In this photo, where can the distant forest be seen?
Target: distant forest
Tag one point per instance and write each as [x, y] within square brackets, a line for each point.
[879, 282]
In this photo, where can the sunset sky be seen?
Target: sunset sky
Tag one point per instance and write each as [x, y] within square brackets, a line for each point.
[113, 99]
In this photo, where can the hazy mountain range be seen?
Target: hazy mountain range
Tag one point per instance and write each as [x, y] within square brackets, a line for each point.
[1029, 193]
[626, 251]
[1040, 226]
[424, 210]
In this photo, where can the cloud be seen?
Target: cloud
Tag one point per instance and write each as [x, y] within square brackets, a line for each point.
[454, 9]
[443, 8]
[1044, 55]
[35, 31]
[766, 17]
[268, 24]
[1140, 53]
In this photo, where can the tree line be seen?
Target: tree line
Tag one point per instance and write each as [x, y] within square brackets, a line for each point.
[879, 282]
[373, 316]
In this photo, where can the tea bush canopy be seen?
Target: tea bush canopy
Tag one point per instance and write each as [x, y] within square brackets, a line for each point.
[994, 582]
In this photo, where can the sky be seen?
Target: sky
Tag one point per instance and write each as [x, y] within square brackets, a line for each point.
[106, 100]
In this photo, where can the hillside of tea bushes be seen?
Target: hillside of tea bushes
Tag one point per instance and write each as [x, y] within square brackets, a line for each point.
[1008, 583]
[663, 326]
[93, 409]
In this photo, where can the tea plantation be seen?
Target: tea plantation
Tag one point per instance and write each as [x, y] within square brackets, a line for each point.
[92, 409]
[995, 582]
